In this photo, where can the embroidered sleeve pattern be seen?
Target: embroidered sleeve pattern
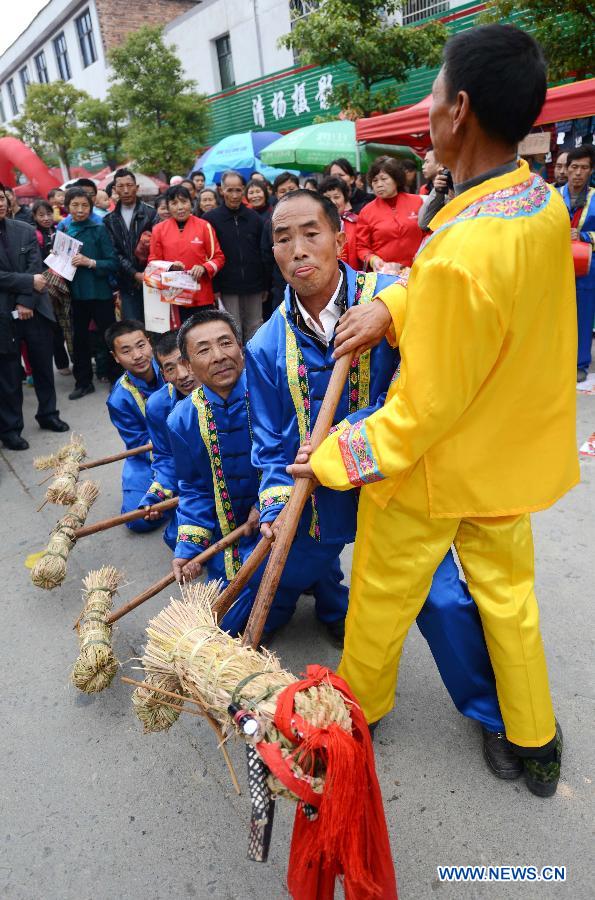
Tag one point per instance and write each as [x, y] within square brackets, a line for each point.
[357, 456]
[193, 534]
[159, 491]
[273, 496]
[141, 401]
[340, 426]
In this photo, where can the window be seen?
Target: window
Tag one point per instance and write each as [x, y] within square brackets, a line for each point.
[12, 97]
[416, 10]
[2, 113]
[84, 27]
[223, 45]
[42, 68]
[61, 51]
[299, 10]
[24, 75]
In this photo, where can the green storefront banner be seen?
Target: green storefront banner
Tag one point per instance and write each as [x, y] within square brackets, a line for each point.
[298, 96]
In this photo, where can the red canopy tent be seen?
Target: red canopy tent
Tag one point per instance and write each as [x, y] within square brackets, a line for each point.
[412, 125]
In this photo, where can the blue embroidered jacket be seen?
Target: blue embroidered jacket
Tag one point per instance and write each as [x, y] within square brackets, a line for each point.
[165, 481]
[126, 405]
[288, 371]
[216, 481]
[586, 228]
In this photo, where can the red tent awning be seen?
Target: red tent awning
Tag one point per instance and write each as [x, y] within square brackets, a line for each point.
[412, 125]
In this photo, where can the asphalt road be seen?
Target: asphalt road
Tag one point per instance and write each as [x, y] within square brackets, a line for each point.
[91, 809]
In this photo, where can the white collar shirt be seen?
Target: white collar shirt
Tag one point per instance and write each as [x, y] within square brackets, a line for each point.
[329, 316]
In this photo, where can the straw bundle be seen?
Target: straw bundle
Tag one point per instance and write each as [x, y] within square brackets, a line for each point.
[50, 570]
[217, 670]
[74, 449]
[153, 709]
[96, 664]
[62, 489]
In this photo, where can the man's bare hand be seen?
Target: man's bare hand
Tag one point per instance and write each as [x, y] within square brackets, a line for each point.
[269, 530]
[24, 312]
[301, 468]
[139, 277]
[574, 234]
[360, 328]
[39, 283]
[185, 569]
[152, 514]
[253, 522]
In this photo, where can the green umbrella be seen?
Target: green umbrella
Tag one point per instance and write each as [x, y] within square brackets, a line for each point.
[312, 148]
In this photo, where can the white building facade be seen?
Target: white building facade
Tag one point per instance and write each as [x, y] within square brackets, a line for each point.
[62, 42]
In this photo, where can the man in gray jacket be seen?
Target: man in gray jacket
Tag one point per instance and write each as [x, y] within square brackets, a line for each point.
[26, 314]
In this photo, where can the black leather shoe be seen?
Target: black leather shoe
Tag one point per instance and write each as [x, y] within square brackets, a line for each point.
[336, 632]
[581, 375]
[500, 756]
[542, 777]
[13, 441]
[81, 391]
[53, 423]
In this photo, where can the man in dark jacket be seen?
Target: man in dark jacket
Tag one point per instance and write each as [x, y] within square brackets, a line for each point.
[241, 281]
[275, 283]
[26, 314]
[126, 224]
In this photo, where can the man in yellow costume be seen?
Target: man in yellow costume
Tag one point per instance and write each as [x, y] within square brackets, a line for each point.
[479, 429]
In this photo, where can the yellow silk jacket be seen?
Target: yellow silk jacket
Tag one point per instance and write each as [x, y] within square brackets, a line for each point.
[487, 332]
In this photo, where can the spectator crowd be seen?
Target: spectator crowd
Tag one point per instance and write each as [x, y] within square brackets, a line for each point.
[221, 236]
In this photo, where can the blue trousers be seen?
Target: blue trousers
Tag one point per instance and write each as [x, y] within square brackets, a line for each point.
[585, 310]
[449, 620]
[309, 565]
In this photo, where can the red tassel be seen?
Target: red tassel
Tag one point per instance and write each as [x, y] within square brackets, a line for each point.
[349, 837]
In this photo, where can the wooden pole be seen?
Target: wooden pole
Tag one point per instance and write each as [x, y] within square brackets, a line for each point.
[131, 516]
[226, 600]
[168, 579]
[300, 492]
[125, 454]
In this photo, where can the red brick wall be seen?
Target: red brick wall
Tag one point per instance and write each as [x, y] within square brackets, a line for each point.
[117, 19]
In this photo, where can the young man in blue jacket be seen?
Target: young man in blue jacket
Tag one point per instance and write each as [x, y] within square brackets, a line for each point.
[180, 382]
[129, 344]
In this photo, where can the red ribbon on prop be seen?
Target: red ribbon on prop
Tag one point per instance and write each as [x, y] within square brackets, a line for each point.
[349, 837]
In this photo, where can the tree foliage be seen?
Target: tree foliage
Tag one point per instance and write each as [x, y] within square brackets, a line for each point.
[48, 123]
[564, 28]
[103, 125]
[168, 119]
[364, 33]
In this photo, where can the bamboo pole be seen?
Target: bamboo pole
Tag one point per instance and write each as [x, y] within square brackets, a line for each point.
[168, 579]
[131, 516]
[125, 454]
[203, 713]
[287, 528]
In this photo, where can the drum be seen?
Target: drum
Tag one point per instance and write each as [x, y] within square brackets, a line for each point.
[581, 256]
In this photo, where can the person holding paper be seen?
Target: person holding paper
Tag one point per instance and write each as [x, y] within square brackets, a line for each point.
[191, 245]
[91, 292]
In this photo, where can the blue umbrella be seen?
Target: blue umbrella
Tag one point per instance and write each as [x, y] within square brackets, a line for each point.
[240, 152]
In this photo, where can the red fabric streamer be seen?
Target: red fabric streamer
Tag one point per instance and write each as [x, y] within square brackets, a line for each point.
[349, 838]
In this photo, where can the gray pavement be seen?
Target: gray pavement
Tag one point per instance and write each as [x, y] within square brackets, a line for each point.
[91, 809]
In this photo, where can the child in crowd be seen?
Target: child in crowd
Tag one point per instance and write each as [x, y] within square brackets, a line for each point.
[129, 345]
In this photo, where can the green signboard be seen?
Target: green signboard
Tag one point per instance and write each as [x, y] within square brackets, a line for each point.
[295, 97]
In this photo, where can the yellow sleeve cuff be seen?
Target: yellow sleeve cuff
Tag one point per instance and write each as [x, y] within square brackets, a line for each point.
[328, 464]
[395, 299]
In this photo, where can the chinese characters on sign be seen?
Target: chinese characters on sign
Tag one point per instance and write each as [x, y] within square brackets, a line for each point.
[299, 101]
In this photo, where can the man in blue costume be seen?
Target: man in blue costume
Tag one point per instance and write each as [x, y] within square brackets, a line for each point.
[180, 382]
[288, 364]
[129, 344]
[580, 202]
[210, 437]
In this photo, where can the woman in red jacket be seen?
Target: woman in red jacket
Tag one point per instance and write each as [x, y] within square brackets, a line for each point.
[337, 192]
[387, 229]
[191, 244]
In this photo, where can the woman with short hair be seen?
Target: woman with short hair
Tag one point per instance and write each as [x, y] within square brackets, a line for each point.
[387, 228]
